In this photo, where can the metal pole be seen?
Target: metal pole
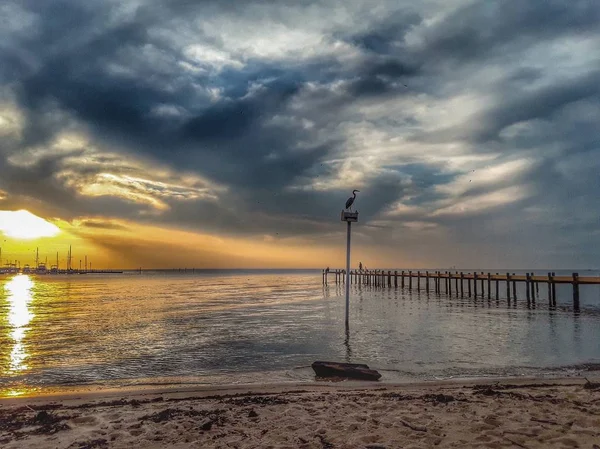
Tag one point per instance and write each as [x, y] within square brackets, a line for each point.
[348, 275]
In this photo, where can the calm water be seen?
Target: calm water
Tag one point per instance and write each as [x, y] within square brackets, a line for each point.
[228, 327]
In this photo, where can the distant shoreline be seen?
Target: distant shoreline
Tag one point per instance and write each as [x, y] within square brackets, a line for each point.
[188, 270]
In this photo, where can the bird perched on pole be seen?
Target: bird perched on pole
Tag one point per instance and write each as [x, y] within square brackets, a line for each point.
[350, 201]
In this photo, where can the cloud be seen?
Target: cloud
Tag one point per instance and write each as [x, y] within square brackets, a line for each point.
[448, 115]
[100, 223]
[78, 169]
[480, 30]
[134, 189]
[480, 203]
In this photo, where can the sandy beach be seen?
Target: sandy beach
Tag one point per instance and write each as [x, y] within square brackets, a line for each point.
[562, 413]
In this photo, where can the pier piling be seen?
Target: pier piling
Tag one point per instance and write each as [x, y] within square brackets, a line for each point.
[456, 278]
[469, 285]
[576, 291]
[497, 287]
[482, 284]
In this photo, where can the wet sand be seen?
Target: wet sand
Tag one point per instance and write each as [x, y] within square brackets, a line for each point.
[524, 413]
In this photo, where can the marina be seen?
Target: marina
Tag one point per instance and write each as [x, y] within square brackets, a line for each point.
[12, 267]
[42, 271]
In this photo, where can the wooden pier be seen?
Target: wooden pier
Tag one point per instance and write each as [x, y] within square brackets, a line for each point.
[465, 284]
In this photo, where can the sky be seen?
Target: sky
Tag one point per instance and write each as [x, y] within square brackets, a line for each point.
[172, 133]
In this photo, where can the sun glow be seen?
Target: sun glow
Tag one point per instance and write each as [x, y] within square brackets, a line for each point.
[24, 225]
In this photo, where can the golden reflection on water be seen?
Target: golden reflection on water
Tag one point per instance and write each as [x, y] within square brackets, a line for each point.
[19, 316]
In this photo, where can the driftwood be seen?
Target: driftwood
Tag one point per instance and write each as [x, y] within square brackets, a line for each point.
[345, 371]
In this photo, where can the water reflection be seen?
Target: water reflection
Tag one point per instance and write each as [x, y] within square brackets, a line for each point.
[118, 330]
[19, 316]
[347, 345]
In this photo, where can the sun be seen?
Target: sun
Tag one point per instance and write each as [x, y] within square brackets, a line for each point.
[24, 225]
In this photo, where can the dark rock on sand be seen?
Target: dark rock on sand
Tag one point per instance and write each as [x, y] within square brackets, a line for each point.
[344, 370]
[43, 417]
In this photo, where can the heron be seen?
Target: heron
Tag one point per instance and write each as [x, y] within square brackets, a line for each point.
[350, 201]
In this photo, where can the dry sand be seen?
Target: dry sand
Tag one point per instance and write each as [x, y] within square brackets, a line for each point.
[524, 414]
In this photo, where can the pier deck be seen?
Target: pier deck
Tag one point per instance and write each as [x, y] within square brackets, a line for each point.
[465, 284]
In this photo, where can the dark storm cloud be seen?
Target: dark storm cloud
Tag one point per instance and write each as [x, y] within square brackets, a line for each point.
[382, 78]
[480, 29]
[537, 104]
[214, 89]
[227, 140]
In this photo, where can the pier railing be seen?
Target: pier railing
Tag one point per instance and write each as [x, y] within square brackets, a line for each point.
[464, 284]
